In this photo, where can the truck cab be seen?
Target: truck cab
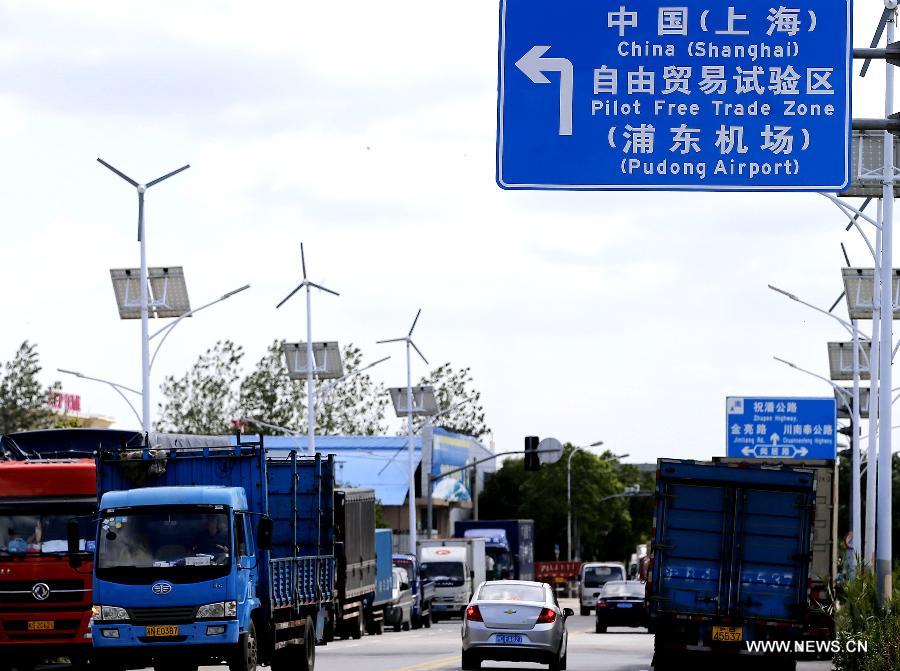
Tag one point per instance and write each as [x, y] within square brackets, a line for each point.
[457, 566]
[174, 565]
[45, 602]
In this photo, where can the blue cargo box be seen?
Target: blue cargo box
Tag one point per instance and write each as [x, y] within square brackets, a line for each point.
[384, 566]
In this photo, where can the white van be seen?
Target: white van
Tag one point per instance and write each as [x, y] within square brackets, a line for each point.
[594, 575]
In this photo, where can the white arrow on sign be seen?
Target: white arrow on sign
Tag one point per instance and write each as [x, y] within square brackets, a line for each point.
[800, 452]
[749, 451]
[534, 65]
[775, 438]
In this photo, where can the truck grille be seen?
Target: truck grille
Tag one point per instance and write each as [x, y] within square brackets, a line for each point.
[61, 591]
[170, 615]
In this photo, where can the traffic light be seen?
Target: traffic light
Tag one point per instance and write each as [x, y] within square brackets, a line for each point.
[532, 458]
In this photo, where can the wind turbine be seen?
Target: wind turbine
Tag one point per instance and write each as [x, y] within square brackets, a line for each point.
[310, 360]
[410, 410]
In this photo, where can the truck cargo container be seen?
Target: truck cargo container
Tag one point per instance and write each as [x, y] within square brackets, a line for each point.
[509, 543]
[45, 602]
[730, 559]
[377, 607]
[354, 524]
[212, 552]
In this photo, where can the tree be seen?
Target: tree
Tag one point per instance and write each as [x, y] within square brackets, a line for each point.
[268, 394]
[452, 386]
[23, 400]
[354, 405]
[205, 399]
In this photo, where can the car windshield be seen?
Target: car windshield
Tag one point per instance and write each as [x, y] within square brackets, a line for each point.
[597, 576]
[39, 530]
[157, 539]
[511, 592]
[450, 572]
[618, 588]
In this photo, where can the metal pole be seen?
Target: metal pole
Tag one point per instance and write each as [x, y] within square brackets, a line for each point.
[569, 503]
[145, 322]
[412, 468]
[475, 492]
[872, 456]
[310, 367]
[883, 532]
[430, 507]
[856, 498]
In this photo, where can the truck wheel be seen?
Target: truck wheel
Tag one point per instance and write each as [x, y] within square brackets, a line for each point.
[415, 621]
[246, 656]
[470, 662]
[308, 658]
[426, 620]
[356, 630]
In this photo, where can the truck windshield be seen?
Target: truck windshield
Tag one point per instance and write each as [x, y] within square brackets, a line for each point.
[189, 539]
[503, 565]
[597, 576]
[444, 573]
[28, 529]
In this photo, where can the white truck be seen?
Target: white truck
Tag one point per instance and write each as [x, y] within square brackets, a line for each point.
[457, 566]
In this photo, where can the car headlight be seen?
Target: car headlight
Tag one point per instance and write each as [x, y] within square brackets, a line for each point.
[108, 613]
[219, 610]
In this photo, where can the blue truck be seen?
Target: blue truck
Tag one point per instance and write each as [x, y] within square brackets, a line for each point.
[422, 590]
[211, 552]
[509, 543]
[730, 560]
[380, 602]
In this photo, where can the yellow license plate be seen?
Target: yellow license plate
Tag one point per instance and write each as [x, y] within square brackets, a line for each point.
[162, 630]
[40, 625]
[727, 634]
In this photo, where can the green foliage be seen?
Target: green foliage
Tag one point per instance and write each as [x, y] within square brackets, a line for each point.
[213, 393]
[608, 530]
[23, 400]
[451, 386]
[205, 399]
[860, 618]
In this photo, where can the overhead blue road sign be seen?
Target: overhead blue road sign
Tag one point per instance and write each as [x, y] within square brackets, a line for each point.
[657, 94]
[783, 428]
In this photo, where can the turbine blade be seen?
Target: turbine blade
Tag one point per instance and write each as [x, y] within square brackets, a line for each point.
[118, 172]
[419, 352]
[414, 321]
[299, 287]
[303, 260]
[846, 258]
[319, 286]
[166, 176]
[885, 16]
[381, 342]
[862, 208]
[837, 301]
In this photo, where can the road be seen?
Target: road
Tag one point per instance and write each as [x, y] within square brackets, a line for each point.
[437, 649]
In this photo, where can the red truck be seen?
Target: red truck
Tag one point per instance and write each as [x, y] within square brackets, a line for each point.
[45, 604]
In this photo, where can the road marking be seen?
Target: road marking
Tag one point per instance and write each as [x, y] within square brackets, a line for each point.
[428, 664]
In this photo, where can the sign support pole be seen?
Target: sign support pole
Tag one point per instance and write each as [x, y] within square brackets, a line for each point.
[883, 532]
[856, 493]
[872, 456]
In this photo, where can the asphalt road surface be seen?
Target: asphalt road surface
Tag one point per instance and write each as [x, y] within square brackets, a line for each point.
[438, 648]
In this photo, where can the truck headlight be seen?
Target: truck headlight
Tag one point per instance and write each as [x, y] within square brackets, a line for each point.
[219, 610]
[108, 613]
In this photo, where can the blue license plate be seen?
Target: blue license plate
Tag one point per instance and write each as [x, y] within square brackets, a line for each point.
[508, 638]
[625, 605]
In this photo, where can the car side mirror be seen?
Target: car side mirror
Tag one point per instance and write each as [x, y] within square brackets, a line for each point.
[73, 540]
[568, 612]
[264, 533]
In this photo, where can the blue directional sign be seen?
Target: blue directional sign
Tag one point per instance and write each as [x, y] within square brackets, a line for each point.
[783, 428]
[658, 94]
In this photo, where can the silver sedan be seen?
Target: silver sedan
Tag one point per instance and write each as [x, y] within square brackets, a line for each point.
[514, 621]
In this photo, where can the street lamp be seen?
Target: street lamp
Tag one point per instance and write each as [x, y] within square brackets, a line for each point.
[143, 279]
[118, 388]
[409, 409]
[310, 370]
[854, 372]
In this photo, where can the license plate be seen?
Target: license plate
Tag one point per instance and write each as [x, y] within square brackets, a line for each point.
[508, 638]
[625, 605]
[727, 634]
[40, 625]
[162, 630]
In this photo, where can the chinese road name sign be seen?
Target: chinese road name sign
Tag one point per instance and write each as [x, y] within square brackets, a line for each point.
[659, 94]
[781, 428]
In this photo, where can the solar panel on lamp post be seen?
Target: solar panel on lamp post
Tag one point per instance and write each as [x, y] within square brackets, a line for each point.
[409, 409]
[310, 371]
[143, 278]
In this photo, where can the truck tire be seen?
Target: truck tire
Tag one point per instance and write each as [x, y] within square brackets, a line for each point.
[426, 620]
[357, 628]
[308, 658]
[247, 654]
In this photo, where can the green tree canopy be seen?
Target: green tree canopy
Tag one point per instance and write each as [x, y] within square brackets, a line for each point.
[451, 386]
[23, 400]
